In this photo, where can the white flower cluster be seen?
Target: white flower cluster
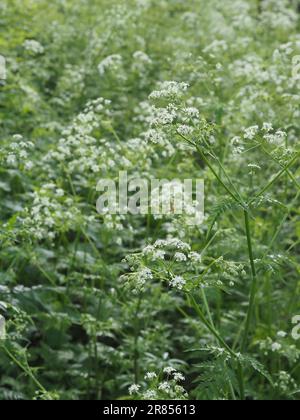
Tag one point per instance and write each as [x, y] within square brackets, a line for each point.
[278, 15]
[160, 386]
[162, 246]
[164, 116]
[278, 138]
[150, 376]
[178, 282]
[112, 62]
[33, 46]
[285, 383]
[158, 137]
[185, 130]
[134, 389]
[16, 153]
[255, 132]
[138, 280]
[50, 213]
[251, 132]
[155, 136]
[170, 116]
[169, 90]
[164, 251]
[78, 149]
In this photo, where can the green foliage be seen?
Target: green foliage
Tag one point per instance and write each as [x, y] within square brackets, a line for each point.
[112, 306]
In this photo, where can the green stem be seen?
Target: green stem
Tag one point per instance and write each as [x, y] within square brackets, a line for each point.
[253, 285]
[26, 370]
[202, 155]
[210, 327]
[282, 172]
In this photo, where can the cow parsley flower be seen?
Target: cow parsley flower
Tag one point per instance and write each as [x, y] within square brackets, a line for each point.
[134, 389]
[178, 377]
[177, 282]
[195, 257]
[169, 370]
[150, 375]
[180, 257]
[165, 387]
[253, 166]
[185, 130]
[142, 57]
[267, 127]
[155, 136]
[110, 62]
[276, 347]
[169, 90]
[191, 112]
[251, 132]
[164, 116]
[33, 46]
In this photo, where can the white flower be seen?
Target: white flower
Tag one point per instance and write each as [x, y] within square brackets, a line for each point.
[178, 377]
[253, 166]
[154, 136]
[185, 130]
[169, 370]
[195, 257]
[143, 276]
[146, 273]
[280, 135]
[177, 282]
[173, 243]
[150, 375]
[276, 347]
[281, 334]
[159, 255]
[112, 61]
[23, 154]
[164, 386]
[149, 395]
[28, 165]
[179, 257]
[33, 46]
[11, 159]
[141, 56]
[191, 112]
[267, 127]
[149, 249]
[134, 389]
[164, 116]
[60, 192]
[17, 137]
[251, 132]
[169, 90]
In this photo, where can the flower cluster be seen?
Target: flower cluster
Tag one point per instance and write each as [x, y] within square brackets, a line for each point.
[51, 212]
[33, 46]
[162, 386]
[173, 262]
[169, 90]
[112, 63]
